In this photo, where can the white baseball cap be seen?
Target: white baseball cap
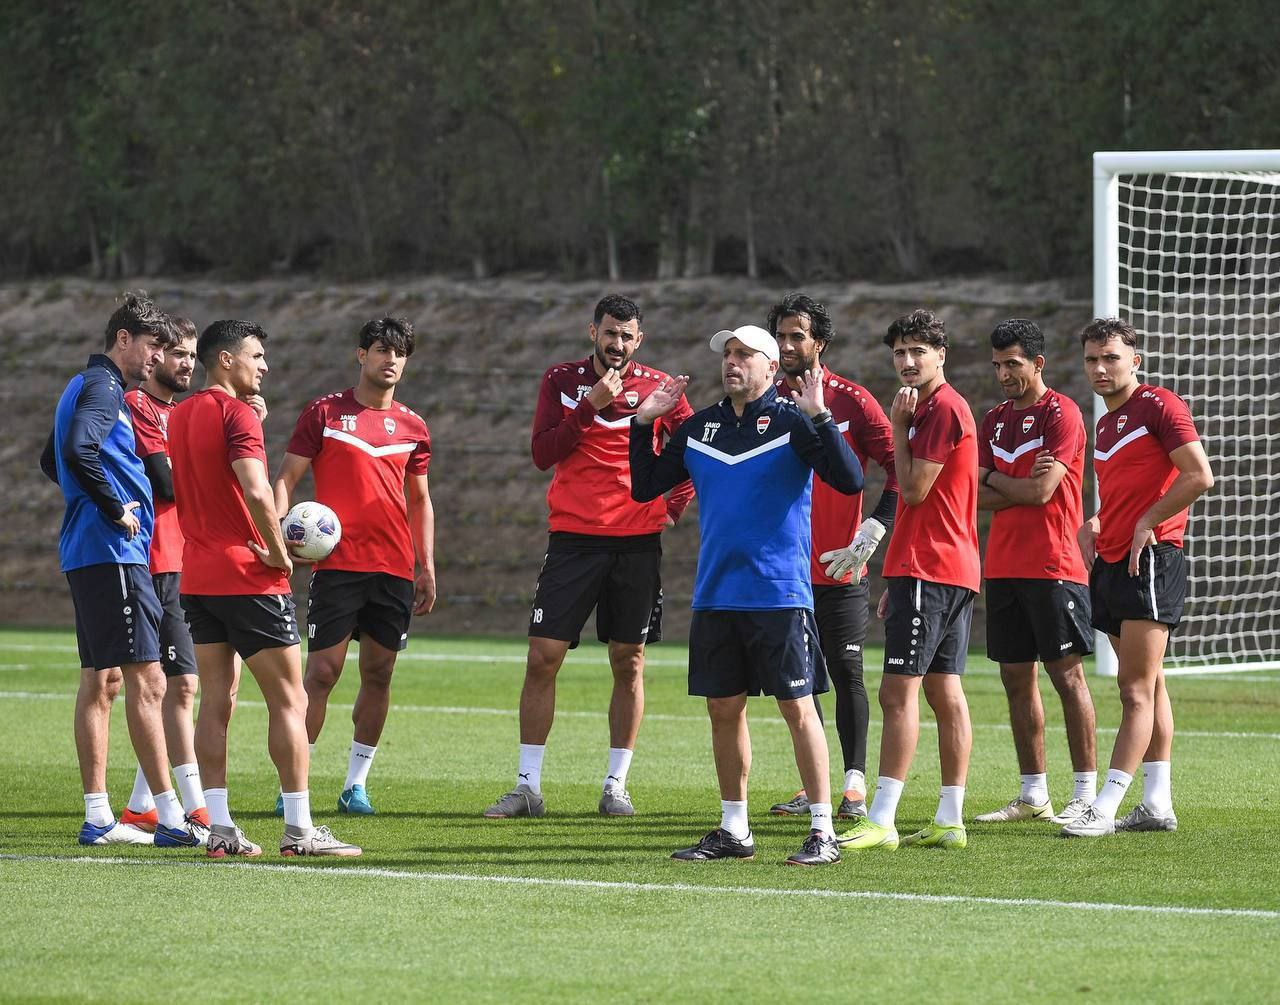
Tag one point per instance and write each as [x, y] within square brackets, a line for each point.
[752, 336]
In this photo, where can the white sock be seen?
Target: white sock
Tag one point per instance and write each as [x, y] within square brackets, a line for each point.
[1035, 789]
[1157, 787]
[358, 764]
[530, 771]
[733, 818]
[619, 765]
[855, 781]
[297, 810]
[169, 809]
[951, 806]
[219, 815]
[884, 808]
[1086, 786]
[188, 776]
[311, 756]
[820, 818]
[97, 809]
[141, 800]
[1112, 794]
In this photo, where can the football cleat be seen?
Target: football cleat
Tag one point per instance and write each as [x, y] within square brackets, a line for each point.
[1014, 810]
[521, 801]
[865, 835]
[226, 842]
[794, 807]
[616, 802]
[854, 804]
[819, 848]
[1142, 819]
[147, 821]
[355, 800]
[938, 836]
[279, 810]
[184, 836]
[1069, 812]
[1090, 824]
[316, 841]
[200, 816]
[717, 844]
[112, 833]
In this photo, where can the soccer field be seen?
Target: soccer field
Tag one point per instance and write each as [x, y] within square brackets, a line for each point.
[446, 905]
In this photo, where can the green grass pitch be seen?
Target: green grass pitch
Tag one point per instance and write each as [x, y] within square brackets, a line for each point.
[447, 906]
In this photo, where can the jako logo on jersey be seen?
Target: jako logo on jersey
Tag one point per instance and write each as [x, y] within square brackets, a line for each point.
[1027, 423]
[762, 424]
[895, 662]
[1120, 423]
[709, 430]
[390, 426]
[583, 389]
[348, 423]
[633, 398]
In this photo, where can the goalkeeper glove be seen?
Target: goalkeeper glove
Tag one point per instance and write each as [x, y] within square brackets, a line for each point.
[850, 560]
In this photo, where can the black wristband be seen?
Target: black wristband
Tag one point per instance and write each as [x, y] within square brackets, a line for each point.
[987, 477]
[822, 418]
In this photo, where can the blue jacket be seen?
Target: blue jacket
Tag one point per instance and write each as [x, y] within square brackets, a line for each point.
[91, 455]
[752, 475]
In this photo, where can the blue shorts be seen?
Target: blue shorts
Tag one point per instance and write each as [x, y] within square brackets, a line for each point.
[177, 654]
[117, 615]
[755, 652]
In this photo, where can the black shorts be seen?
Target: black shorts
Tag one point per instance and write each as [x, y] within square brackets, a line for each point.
[927, 627]
[1156, 593]
[842, 613]
[250, 623]
[177, 654]
[344, 604]
[117, 615]
[619, 577]
[756, 652]
[1037, 619]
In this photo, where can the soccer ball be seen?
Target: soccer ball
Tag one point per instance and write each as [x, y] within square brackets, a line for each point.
[311, 530]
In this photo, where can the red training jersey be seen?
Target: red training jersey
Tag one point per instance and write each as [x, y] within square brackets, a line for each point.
[937, 540]
[1036, 542]
[207, 432]
[834, 517]
[151, 430]
[360, 458]
[590, 491]
[1131, 451]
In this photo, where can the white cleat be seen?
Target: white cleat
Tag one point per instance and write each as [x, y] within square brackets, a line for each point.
[1016, 809]
[1090, 824]
[1142, 819]
[1069, 812]
[114, 833]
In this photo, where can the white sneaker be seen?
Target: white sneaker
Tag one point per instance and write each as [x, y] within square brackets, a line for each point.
[317, 841]
[1142, 819]
[1090, 824]
[1069, 812]
[113, 833]
[1016, 809]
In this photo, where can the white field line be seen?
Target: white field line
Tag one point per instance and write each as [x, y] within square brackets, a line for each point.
[765, 720]
[363, 872]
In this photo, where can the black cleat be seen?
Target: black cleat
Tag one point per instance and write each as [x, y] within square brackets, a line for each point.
[819, 848]
[717, 844]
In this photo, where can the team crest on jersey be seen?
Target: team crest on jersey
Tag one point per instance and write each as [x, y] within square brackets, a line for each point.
[390, 426]
[1120, 423]
[1027, 423]
[633, 398]
[762, 424]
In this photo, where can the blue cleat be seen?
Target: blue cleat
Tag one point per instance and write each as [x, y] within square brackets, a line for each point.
[112, 833]
[185, 836]
[355, 800]
[280, 805]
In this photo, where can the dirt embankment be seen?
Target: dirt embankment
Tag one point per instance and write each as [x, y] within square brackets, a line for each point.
[482, 347]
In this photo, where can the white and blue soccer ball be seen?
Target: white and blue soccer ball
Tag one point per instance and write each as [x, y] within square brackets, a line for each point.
[311, 530]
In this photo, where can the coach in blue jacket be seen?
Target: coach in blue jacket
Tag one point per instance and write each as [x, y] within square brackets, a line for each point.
[750, 457]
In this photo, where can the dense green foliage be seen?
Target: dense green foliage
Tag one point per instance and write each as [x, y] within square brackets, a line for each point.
[803, 139]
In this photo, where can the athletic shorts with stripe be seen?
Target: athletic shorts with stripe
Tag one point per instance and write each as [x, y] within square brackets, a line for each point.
[1156, 593]
[250, 623]
[177, 654]
[1037, 619]
[926, 629]
[117, 615]
[773, 652]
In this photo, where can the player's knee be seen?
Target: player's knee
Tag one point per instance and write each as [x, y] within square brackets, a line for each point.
[1135, 697]
[322, 676]
[180, 691]
[1068, 680]
[542, 666]
[377, 676]
[628, 666]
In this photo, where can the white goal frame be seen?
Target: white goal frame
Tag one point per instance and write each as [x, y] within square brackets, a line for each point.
[1262, 652]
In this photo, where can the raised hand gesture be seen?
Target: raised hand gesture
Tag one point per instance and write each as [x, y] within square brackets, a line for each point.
[809, 397]
[662, 400]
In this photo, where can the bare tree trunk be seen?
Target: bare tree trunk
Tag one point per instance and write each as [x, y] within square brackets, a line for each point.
[753, 263]
[668, 246]
[95, 252]
[479, 266]
[610, 236]
[700, 235]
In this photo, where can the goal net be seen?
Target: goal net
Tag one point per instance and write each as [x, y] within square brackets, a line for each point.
[1187, 250]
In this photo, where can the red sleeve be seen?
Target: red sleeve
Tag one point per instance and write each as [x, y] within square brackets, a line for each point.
[986, 459]
[421, 456]
[1062, 435]
[1175, 428]
[679, 497]
[875, 438]
[939, 435]
[243, 431]
[308, 434]
[555, 432]
[147, 433]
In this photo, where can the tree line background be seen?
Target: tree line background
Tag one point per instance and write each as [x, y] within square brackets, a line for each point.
[798, 140]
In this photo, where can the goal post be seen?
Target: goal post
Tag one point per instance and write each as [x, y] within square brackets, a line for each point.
[1186, 248]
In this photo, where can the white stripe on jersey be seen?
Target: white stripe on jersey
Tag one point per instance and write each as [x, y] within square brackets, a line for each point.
[722, 457]
[1010, 456]
[1106, 455]
[369, 448]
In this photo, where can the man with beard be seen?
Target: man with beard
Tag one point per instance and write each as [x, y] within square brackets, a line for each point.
[842, 540]
[367, 453]
[604, 550]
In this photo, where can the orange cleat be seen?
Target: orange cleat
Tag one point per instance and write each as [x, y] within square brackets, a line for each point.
[200, 816]
[148, 821]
